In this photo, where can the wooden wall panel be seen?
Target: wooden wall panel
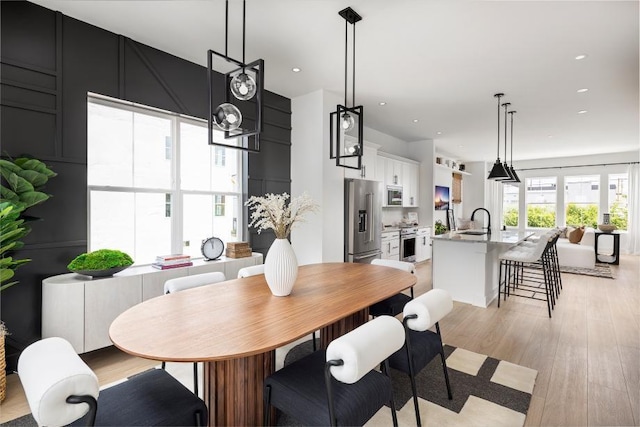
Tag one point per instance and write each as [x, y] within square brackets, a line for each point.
[49, 62]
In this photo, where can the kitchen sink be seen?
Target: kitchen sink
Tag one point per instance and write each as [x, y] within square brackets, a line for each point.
[473, 232]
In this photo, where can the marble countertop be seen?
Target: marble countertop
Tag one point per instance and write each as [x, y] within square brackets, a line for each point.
[497, 237]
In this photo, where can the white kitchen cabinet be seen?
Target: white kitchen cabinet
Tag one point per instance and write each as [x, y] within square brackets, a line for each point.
[410, 185]
[81, 309]
[390, 241]
[369, 164]
[423, 244]
[393, 171]
[380, 176]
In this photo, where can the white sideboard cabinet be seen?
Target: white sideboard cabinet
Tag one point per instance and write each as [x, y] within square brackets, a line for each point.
[81, 309]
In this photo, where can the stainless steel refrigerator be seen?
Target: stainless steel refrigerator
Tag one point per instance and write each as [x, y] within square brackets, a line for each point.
[362, 220]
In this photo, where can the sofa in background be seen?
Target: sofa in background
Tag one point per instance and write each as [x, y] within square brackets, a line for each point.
[580, 254]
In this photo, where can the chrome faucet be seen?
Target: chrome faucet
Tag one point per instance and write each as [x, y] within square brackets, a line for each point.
[488, 214]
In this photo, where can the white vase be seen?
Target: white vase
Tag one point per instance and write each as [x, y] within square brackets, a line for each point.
[281, 268]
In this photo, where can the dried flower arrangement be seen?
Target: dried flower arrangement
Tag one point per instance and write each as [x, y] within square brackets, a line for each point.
[273, 211]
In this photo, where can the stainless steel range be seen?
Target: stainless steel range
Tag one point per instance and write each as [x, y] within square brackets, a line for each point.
[408, 243]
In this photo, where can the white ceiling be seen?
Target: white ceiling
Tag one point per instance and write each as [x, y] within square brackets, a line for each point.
[438, 61]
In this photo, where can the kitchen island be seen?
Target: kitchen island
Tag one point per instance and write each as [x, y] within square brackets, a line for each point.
[466, 263]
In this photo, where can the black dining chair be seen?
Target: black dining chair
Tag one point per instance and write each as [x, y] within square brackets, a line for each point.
[62, 390]
[189, 282]
[393, 305]
[339, 385]
[421, 344]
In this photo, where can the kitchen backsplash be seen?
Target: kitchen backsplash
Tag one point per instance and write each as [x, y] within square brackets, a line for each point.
[392, 216]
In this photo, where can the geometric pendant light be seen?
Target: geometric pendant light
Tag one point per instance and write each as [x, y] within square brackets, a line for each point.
[512, 171]
[498, 171]
[346, 126]
[236, 98]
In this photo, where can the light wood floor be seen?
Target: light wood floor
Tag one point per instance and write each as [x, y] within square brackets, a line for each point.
[587, 356]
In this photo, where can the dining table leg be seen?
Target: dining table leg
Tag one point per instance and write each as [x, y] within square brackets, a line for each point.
[342, 326]
[233, 389]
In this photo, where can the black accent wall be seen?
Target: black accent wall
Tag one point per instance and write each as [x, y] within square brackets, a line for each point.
[49, 62]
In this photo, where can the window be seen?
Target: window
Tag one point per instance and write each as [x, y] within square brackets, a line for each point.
[582, 197]
[540, 197]
[510, 204]
[219, 203]
[155, 185]
[220, 155]
[618, 198]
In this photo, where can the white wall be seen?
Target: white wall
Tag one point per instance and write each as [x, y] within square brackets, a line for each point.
[312, 171]
[387, 143]
[473, 188]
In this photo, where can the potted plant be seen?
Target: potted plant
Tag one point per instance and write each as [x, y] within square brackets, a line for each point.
[100, 263]
[440, 228]
[22, 182]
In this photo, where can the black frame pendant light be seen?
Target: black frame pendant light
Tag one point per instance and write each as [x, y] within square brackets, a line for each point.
[515, 178]
[346, 123]
[242, 91]
[497, 171]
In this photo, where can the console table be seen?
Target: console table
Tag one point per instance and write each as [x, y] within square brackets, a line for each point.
[80, 309]
[616, 246]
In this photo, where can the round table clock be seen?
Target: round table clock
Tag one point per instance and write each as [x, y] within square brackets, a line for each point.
[212, 248]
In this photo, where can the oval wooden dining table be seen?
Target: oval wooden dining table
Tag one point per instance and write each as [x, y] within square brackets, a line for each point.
[235, 326]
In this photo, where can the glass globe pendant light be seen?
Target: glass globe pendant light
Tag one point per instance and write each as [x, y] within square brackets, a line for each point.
[243, 86]
[242, 90]
[347, 122]
[227, 116]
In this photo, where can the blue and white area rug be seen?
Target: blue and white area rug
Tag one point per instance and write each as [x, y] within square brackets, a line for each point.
[486, 392]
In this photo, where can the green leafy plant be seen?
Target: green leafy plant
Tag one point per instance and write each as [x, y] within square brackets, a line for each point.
[577, 215]
[440, 228]
[619, 214]
[511, 217]
[22, 182]
[24, 179]
[101, 259]
[541, 216]
[12, 229]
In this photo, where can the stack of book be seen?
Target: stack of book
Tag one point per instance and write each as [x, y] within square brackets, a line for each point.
[165, 262]
[238, 250]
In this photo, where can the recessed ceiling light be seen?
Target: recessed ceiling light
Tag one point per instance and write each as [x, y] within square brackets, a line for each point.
[415, 120]
[580, 57]
[460, 146]
[549, 136]
[438, 133]
[296, 69]
[382, 103]
[583, 90]
[582, 111]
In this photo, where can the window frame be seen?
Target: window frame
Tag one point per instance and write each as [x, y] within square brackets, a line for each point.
[175, 192]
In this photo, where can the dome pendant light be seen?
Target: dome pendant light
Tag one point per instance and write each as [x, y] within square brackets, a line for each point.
[346, 125]
[243, 84]
[512, 171]
[509, 178]
[497, 171]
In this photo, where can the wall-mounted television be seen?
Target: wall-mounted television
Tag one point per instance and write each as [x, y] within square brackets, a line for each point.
[441, 200]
